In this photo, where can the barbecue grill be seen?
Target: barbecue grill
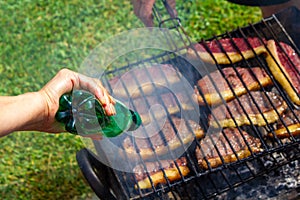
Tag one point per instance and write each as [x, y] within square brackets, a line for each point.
[274, 172]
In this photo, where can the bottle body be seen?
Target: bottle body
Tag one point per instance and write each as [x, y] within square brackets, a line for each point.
[82, 114]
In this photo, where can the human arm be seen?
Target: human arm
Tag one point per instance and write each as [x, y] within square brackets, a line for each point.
[143, 10]
[36, 111]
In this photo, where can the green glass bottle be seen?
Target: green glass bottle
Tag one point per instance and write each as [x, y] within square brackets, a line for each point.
[82, 114]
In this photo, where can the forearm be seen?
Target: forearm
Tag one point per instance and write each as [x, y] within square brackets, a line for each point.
[22, 112]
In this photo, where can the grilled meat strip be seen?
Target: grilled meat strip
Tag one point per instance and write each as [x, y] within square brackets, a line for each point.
[169, 104]
[215, 146]
[160, 172]
[256, 110]
[227, 50]
[253, 78]
[284, 64]
[165, 139]
[144, 81]
[289, 125]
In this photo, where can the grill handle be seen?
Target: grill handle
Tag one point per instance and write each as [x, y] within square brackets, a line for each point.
[91, 169]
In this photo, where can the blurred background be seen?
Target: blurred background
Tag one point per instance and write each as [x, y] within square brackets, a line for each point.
[37, 38]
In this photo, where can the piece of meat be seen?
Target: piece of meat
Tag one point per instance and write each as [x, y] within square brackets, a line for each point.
[256, 110]
[288, 125]
[253, 78]
[163, 140]
[144, 81]
[162, 105]
[284, 64]
[232, 51]
[159, 172]
[215, 146]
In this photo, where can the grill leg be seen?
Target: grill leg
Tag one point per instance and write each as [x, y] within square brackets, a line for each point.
[91, 168]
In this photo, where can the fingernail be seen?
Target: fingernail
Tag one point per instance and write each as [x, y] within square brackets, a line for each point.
[105, 100]
[113, 110]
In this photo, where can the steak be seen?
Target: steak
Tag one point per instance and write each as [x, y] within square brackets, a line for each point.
[159, 172]
[288, 125]
[169, 103]
[227, 50]
[144, 81]
[284, 64]
[260, 111]
[217, 150]
[163, 140]
[253, 78]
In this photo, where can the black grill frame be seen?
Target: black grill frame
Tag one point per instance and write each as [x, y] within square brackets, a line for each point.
[266, 162]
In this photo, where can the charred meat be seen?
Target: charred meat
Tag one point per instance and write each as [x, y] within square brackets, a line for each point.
[226, 146]
[227, 50]
[254, 78]
[284, 64]
[144, 81]
[169, 104]
[288, 125]
[174, 133]
[257, 108]
[154, 173]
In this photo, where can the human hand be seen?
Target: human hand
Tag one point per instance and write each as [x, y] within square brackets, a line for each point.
[65, 81]
[35, 111]
[143, 10]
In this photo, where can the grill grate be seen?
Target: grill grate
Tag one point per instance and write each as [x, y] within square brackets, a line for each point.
[219, 181]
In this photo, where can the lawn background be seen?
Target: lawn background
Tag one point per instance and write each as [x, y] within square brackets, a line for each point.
[37, 38]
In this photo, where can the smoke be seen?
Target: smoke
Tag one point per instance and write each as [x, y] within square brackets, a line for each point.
[160, 92]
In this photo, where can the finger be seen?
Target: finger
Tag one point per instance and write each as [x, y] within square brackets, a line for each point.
[70, 80]
[95, 87]
[105, 93]
[108, 107]
[109, 110]
[66, 80]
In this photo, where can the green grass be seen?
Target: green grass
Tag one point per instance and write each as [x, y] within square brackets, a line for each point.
[37, 38]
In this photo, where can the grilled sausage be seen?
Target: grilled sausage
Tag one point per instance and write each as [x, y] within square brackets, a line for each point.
[216, 148]
[226, 50]
[160, 172]
[284, 64]
[260, 111]
[253, 78]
